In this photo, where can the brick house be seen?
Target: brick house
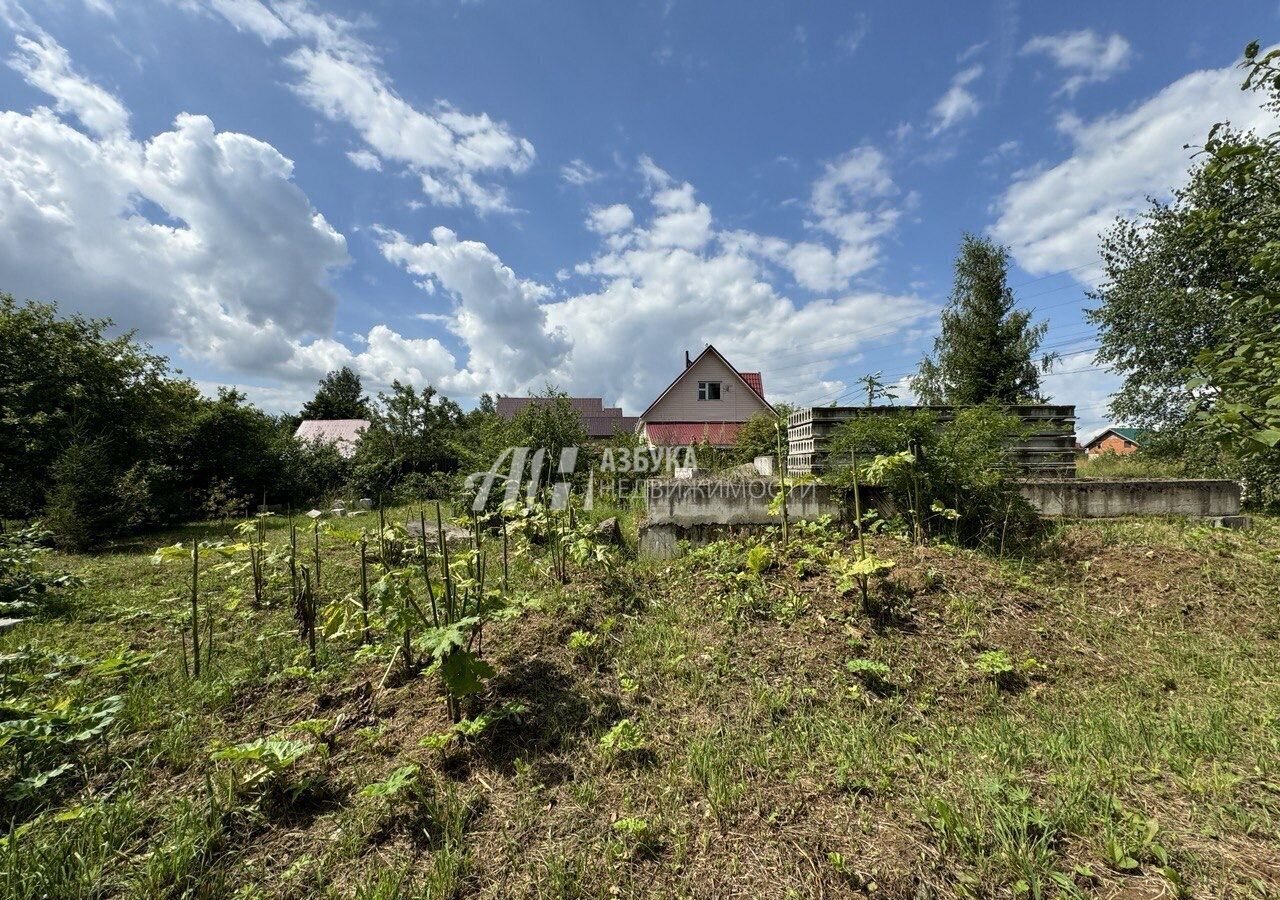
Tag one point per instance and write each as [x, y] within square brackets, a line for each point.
[707, 402]
[1120, 441]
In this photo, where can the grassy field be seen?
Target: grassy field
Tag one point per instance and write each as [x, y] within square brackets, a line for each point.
[1101, 719]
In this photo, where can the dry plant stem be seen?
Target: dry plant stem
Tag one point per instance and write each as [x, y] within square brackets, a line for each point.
[506, 570]
[450, 612]
[186, 668]
[307, 616]
[857, 512]
[782, 477]
[316, 554]
[208, 633]
[293, 561]
[364, 589]
[426, 575]
[195, 605]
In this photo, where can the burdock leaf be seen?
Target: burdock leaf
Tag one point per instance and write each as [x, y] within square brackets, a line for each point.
[464, 673]
[440, 642]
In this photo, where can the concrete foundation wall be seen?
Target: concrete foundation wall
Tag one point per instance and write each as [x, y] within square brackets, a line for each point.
[1151, 497]
[705, 510]
[712, 501]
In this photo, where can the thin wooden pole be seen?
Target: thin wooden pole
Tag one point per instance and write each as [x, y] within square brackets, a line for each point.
[782, 479]
[364, 589]
[316, 554]
[857, 511]
[195, 604]
[426, 574]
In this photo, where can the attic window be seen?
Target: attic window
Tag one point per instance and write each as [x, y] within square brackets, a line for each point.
[708, 390]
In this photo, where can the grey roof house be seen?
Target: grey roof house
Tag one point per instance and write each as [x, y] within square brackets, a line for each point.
[342, 433]
[601, 421]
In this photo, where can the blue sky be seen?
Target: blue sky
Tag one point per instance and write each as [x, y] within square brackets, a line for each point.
[492, 195]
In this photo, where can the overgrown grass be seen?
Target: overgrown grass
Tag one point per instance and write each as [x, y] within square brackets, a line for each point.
[1101, 718]
[1132, 465]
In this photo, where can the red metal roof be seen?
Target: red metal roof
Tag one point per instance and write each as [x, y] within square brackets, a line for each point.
[754, 381]
[343, 433]
[683, 434]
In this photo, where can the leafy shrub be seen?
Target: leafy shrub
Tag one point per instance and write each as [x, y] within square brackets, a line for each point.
[90, 500]
[470, 729]
[994, 663]
[949, 481]
[23, 579]
[639, 837]
[582, 643]
[419, 486]
[42, 736]
[759, 558]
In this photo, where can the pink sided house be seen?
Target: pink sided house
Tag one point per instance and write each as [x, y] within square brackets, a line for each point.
[708, 402]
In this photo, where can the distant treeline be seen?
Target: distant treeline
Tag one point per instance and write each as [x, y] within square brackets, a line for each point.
[99, 436]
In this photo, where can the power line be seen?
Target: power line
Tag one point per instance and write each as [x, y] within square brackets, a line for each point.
[896, 378]
[819, 359]
[844, 338]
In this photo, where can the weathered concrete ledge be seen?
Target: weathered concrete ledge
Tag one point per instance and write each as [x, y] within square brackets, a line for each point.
[1088, 499]
[703, 510]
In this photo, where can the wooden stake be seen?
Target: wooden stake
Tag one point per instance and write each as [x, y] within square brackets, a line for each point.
[364, 589]
[195, 605]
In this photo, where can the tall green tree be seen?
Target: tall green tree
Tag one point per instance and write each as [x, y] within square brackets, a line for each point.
[1160, 305]
[1238, 380]
[66, 382]
[758, 436]
[98, 436]
[986, 350]
[1189, 308]
[549, 422]
[339, 396]
[410, 432]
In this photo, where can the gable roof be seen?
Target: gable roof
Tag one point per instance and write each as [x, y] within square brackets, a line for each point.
[507, 407]
[752, 380]
[344, 433]
[1133, 435]
[755, 382]
[600, 421]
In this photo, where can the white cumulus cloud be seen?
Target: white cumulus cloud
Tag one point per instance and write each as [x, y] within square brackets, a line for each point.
[610, 219]
[498, 315]
[959, 102]
[850, 210]
[1089, 57]
[452, 153]
[662, 283]
[46, 66]
[194, 235]
[1052, 215]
